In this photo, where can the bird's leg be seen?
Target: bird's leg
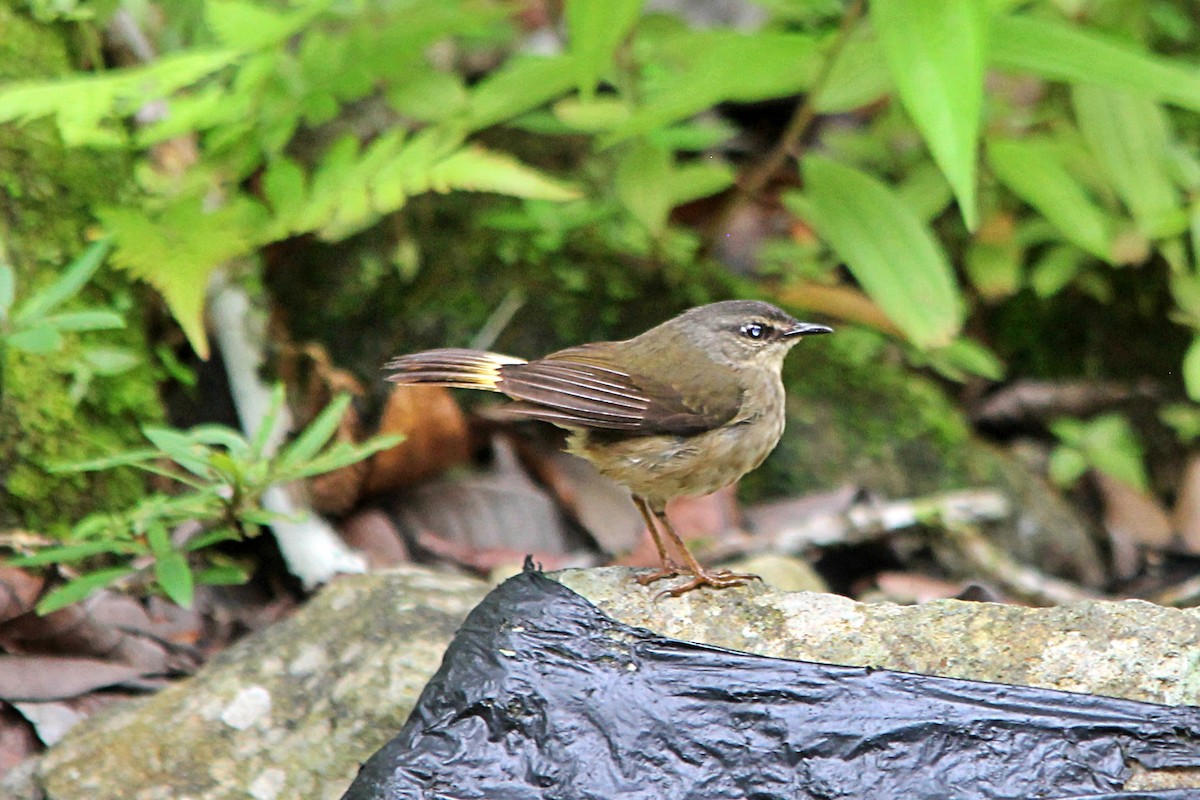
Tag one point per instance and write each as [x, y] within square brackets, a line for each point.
[718, 579]
[669, 568]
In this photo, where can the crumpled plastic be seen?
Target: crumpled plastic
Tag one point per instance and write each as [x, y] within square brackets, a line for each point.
[541, 696]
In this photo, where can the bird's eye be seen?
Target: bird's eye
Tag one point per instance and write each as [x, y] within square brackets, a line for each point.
[754, 330]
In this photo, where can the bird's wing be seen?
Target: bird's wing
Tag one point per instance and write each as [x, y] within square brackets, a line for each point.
[589, 387]
[580, 387]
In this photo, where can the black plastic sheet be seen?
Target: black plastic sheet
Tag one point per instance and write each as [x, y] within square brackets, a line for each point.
[543, 697]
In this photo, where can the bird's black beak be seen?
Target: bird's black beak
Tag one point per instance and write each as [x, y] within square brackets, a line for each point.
[807, 329]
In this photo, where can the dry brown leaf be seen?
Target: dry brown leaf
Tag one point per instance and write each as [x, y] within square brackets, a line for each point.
[1186, 514]
[19, 590]
[373, 533]
[1134, 520]
[436, 437]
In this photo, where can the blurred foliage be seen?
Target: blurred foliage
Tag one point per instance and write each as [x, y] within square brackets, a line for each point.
[1015, 168]
[167, 541]
[1032, 147]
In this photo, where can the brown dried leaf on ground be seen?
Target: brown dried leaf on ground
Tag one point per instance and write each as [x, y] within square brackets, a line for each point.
[909, 588]
[497, 509]
[373, 533]
[1135, 522]
[436, 438]
[19, 591]
[601, 506]
[1186, 514]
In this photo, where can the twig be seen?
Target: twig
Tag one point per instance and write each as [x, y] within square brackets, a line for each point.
[804, 115]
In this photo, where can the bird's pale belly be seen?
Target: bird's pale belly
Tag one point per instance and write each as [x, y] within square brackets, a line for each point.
[659, 468]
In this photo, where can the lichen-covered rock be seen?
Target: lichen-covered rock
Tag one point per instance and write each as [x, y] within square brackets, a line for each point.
[293, 710]
[287, 713]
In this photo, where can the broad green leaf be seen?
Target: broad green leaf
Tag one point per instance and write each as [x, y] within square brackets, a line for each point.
[68, 285]
[688, 182]
[696, 70]
[594, 116]
[245, 25]
[80, 588]
[595, 28]
[936, 50]
[859, 75]
[173, 574]
[641, 183]
[1066, 465]
[1059, 51]
[37, 339]
[316, 435]
[1055, 269]
[1128, 135]
[221, 435]
[890, 251]
[93, 320]
[8, 289]
[963, 358]
[110, 360]
[1108, 444]
[994, 267]
[522, 84]
[1191, 369]
[176, 251]
[478, 170]
[158, 539]
[1032, 169]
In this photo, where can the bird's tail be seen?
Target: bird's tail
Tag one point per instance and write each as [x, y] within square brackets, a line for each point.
[457, 368]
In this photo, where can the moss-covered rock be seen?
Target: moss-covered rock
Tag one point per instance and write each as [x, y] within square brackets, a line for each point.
[46, 193]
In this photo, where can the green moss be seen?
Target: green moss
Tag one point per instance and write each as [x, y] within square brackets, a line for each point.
[46, 193]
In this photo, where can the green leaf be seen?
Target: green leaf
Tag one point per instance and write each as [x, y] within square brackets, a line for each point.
[209, 538]
[245, 25]
[522, 84]
[859, 75]
[1055, 269]
[478, 170]
[125, 459]
[696, 70]
[91, 320]
[336, 456]
[1066, 465]
[80, 588]
[180, 448]
[266, 430]
[936, 50]
[1108, 444]
[973, 358]
[316, 435]
[8, 289]
[641, 183]
[177, 250]
[223, 575]
[110, 360]
[1128, 135]
[1191, 369]
[688, 182]
[1062, 52]
[891, 253]
[68, 553]
[38, 339]
[68, 285]
[1032, 169]
[173, 574]
[994, 267]
[594, 116]
[595, 28]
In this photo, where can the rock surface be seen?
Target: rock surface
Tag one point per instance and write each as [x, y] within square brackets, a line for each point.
[292, 711]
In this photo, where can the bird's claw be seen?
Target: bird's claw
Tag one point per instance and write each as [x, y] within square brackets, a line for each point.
[669, 570]
[717, 579]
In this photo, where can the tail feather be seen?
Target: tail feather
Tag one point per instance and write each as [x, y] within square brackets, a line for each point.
[453, 367]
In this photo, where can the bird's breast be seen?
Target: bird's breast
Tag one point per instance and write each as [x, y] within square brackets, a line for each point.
[660, 467]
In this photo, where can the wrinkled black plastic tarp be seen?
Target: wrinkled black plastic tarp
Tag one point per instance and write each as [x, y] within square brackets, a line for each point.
[543, 697]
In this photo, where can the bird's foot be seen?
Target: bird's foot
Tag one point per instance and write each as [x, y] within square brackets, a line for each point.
[669, 570]
[718, 579]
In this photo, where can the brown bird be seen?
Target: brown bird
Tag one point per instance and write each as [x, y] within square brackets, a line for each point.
[685, 408]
